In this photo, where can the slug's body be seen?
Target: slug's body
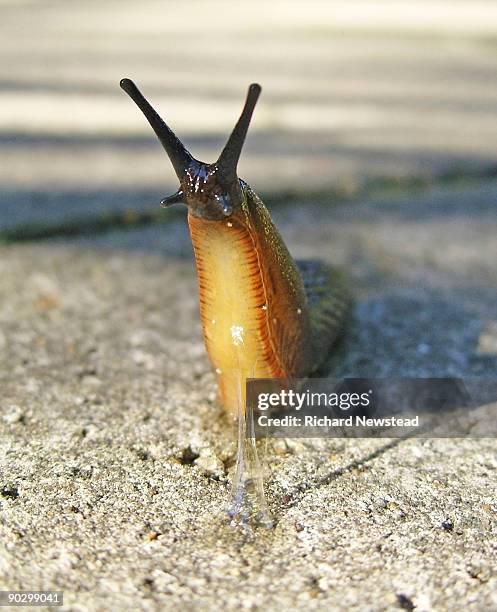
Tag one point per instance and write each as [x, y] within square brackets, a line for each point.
[252, 301]
[256, 316]
[263, 316]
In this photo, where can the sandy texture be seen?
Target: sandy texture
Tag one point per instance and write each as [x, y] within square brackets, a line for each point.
[115, 460]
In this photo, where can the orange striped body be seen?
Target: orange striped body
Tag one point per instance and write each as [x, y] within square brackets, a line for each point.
[252, 300]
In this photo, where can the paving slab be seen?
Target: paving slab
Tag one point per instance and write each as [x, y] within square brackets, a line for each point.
[115, 461]
[350, 90]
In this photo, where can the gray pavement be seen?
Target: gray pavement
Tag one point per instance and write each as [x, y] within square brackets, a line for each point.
[116, 461]
[378, 121]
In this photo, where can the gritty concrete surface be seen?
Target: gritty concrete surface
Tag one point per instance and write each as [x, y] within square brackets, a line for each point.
[115, 460]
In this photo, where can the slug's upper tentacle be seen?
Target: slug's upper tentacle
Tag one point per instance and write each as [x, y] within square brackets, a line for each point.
[230, 155]
[179, 156]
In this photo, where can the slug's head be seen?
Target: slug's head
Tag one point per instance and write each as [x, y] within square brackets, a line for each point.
[211, 191]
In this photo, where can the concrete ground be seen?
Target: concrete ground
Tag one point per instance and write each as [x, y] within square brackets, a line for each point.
[377, 120]
[116, 460]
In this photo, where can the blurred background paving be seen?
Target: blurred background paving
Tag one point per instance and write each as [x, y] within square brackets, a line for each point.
[351, 90]
[374, 145]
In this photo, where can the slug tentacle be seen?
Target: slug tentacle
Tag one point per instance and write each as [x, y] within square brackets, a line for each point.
[179, 156]
[230, 155]
[175, 198]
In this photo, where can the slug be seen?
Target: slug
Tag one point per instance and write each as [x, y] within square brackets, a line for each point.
[263, 314]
